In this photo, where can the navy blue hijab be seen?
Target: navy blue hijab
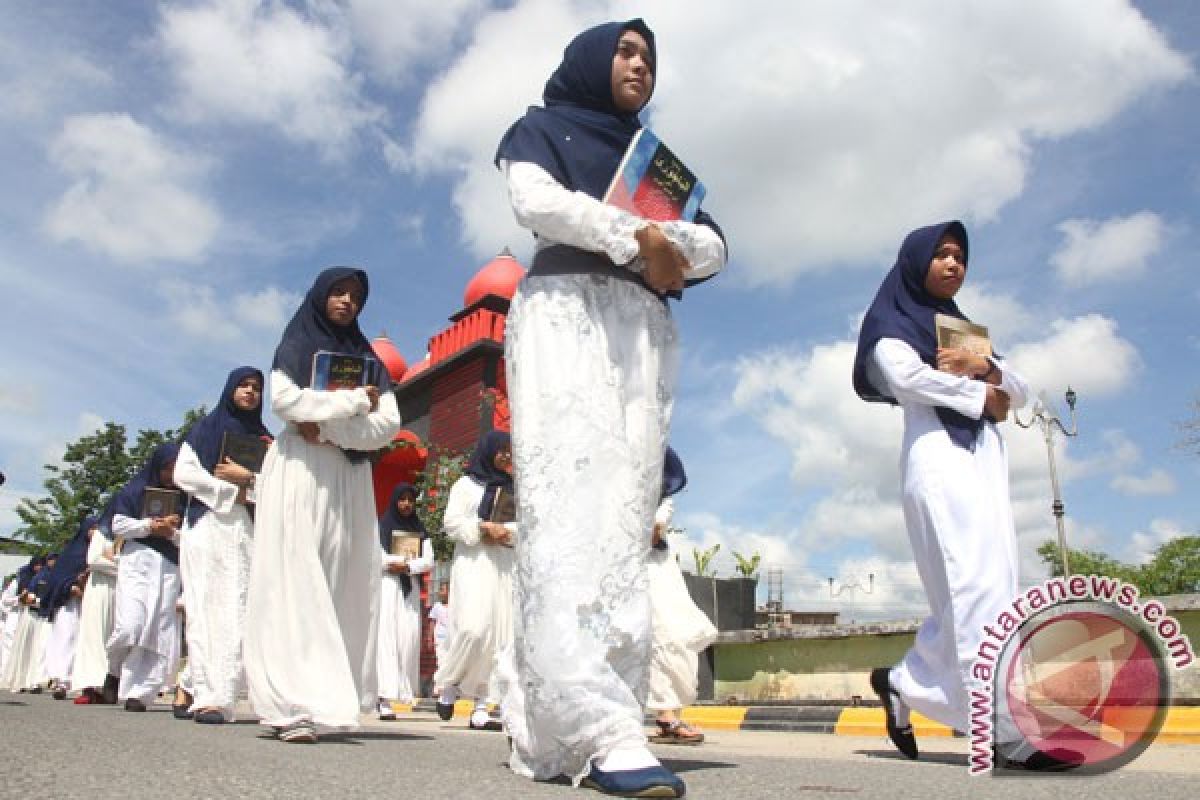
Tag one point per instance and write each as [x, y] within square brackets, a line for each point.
[128, 501]
[56, 590]
[26, 573]
[580, 136]
[903, 309]
[482, 469]
[674, 479]
[206, 436]
[392, 520]
[311, 331]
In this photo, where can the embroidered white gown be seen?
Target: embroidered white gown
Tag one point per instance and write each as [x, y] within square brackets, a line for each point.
[399, 660]
[313, 605]
[591, 363]
[96, 615]
[960, 525]
[681, 630]
[481, 598]
[214, 562]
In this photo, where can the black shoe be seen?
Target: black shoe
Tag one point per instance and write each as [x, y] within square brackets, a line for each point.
[59, 693]
[903, 738]
[1038, 762]
[36, 690]
[445, 711]
[210, 717]
[646, 782]
[108, 692]
[133, 704]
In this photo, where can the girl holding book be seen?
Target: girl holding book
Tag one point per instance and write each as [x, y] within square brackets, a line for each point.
[313, 602]
[591, 353]
[399, 661]
[95, 617]
[481, 602]
[59, 602]
[143, 649]
[954, 474]
[23, 666]
[217, 540]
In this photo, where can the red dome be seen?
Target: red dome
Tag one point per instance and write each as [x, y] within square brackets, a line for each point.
[390, 356]
[499, 276]
[416, 369]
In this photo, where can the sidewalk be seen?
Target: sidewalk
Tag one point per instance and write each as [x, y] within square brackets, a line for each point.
[1182, 725]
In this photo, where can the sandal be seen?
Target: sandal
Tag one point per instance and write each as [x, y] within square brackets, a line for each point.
[676, 731]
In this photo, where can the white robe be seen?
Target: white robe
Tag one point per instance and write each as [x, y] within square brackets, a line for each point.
[143, 649]
[27, 660]
[399, 650]
[960, 525]
[313, 605]
[10, 610]
[60, 646]
[481, 597]
[214, 563]
[681, 630]
[96, 615]
[591, 363]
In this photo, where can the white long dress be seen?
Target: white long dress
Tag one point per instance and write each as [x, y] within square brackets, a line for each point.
[481, 597]
[96, 615]
[26, 662]
[60, 646]
[313, 606]
[214, 562]
[143, 649]
[10, 610]
[591, 363]
[960, 525]
[399, 651]
[681, 630]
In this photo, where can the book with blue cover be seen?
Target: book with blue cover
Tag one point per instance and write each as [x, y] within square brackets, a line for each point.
[652, 182]
[343, 371]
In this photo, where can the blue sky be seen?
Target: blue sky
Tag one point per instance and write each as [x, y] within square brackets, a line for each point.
[178, 172]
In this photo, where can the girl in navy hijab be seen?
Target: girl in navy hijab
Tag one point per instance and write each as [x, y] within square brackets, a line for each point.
[59, 602]
[481, 575]
[592, 354]
[215, 554]
[954, 474]
[399, 658]
[312, 609]
[143, 649]
[27, 630]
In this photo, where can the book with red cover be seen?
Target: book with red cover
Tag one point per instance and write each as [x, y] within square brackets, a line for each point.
[653, 183]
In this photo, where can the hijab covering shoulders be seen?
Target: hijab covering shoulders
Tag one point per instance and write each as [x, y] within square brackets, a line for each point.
[482, 469]
[71, 563]
[26, 573]
[128, 501]
[207, 435]
[310, 331]
[904, 310]
[674, 476]
[392, 520]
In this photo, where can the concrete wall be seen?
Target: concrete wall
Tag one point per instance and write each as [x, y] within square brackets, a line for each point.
[829, 664]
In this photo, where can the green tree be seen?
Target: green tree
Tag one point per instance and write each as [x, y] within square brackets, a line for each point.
[442, 469]
[748, 567]
[703, 559]
[1085, 562]
[1175, 568]
[93, 468]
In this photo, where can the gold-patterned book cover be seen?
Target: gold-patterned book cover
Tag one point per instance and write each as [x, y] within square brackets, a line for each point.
[406, 544]
[955, 332]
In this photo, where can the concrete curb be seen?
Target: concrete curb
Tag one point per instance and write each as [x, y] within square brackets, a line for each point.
[1182, 725]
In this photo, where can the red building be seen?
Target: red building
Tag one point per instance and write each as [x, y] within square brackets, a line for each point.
[455, 394]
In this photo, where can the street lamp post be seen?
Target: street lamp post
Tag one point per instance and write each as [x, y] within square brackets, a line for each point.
[1045, 417]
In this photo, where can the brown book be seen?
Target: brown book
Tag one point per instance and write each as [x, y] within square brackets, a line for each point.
[955, 332]
[504, 508]
[406, 544]
[161, 502]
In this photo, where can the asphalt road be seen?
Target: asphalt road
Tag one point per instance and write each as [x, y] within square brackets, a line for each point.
[53, 749]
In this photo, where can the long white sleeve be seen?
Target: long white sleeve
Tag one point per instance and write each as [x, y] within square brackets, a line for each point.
[912, 381]
[665, 512]
[1012, 384]
[98, 560]
[293, 404]
[193, 478]
[130, 528]
[424, 562]
[9, 600]
[369, 431]
[461, 520]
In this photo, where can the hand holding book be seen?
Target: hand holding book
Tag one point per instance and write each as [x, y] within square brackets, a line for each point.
[665, 265]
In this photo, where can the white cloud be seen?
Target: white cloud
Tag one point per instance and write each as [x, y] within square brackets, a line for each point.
[20, 398]
[1085, 353]
[1143, 544]
[399, 37]
[266, 64]
[199, 312]
[34, 80]
[830, 107]
[130, 198]
[1157, 481]
[1117, 249]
